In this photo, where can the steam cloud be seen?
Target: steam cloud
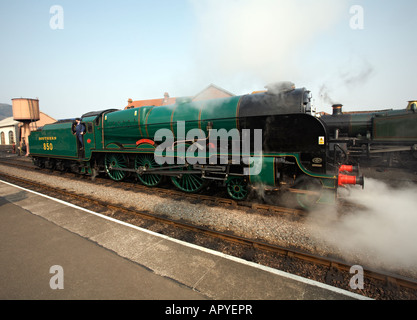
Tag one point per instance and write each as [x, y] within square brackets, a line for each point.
[324, 95]
[243, 40]
[356, 73]
[359, 77]
[383, 234]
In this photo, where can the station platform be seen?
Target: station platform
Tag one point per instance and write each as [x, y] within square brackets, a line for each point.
[53, 250]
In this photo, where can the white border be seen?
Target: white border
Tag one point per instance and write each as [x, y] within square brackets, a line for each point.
[210, 251]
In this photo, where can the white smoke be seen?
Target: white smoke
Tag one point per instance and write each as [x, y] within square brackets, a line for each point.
[259, 40]
[382, 234]
[356, 72]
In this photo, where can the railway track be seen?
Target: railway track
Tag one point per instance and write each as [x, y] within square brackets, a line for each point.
[333, 271]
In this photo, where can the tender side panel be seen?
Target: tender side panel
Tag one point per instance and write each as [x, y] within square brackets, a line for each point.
[55, 140]
[396, 128]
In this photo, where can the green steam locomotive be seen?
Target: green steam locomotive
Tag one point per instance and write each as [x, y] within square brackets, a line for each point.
[264, 140]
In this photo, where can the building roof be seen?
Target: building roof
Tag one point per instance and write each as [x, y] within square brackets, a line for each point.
[212, 89]
[210, 92]
[166, 100]
[8, 122]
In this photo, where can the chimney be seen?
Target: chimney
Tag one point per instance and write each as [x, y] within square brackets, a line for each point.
[337, 109]
[129, 103]
[166, 97]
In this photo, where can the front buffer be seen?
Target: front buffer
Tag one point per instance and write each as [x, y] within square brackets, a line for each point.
[344, 179]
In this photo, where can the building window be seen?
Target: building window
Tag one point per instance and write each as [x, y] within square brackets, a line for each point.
[3, 140]
[11, 137]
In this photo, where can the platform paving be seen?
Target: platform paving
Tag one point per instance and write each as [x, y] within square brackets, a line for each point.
[102, 258]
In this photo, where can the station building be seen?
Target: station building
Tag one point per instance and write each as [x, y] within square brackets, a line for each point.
[10, 129]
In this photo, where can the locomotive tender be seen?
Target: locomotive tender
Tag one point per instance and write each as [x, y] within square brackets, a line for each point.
[294, 155]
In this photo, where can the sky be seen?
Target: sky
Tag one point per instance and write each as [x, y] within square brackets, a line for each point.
[81, 56]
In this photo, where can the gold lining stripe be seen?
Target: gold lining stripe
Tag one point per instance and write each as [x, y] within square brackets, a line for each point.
[199, 118]
[237, 113]
[146, 122]
[172, 120]
[140, 129]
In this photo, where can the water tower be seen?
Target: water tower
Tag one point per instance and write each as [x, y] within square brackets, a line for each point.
[26, 111]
